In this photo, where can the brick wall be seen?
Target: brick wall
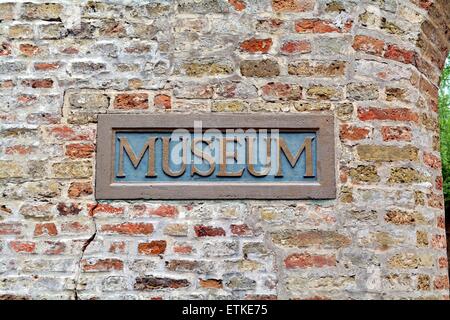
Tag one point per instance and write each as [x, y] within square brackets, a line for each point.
[374, 64]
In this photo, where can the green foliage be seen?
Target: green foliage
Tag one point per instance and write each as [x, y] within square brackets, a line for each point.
[444, 121]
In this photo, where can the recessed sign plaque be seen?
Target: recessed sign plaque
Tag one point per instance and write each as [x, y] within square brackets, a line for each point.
[217, 156]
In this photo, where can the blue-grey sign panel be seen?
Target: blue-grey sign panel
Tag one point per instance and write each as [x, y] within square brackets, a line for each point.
[138, 141]
[215, 156]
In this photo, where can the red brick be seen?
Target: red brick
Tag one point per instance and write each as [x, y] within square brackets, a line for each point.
[368, 45]
[45, 229]
[74, 227]
[353, 133]
[182, 249]
[163, 101]
[128, 228]
[22, 246]
[66, 133]
[241, 230]
[28, 49]
[436, 201]
[438, 241]
[102, 265]
[117, 247]
[443, 263]
[131, 101]
[238, 5]
[395, 53]
[38, 83]
[299, 46]
[211, 283]
[19, 150]
[80, 150]
[10, 228]
[439, 182]
[395, 114]
[431, 160]
[5, 49]
[166, 211]
[319, 26]
[71, 209]
[105, 208]
[281, 91]
[54, 247]
[254, 45]
[6, 84]
[441, 282]
[153, 247]
[397, 133]
[441, 222]
[292, 5]
[46, 66]
[79, 189]
[306, 260]
[207, 231]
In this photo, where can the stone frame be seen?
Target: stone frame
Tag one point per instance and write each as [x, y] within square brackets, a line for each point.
[323, 188]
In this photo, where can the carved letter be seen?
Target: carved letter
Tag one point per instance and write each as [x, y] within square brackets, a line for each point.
[199, 153]
[224, 155]
[166, 166]
[250, 161]
[307, 146]
[124, 145]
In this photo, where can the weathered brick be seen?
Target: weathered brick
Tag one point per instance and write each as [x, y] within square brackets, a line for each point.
[307, 260]
[361, 92]
[211, 283]
[72, 169]
[208, 231]
[152, 248]
[131, 101]
[89, 101]
[296, 46]
[281, 91]
[320, 26]
[199, 69]
[317, 69]
[364, 174]
[254, 45]
[324, 93]
[387, 153]
[431, 160]
[353, 133]
[38, 83]
[106, 209]
[22, 246]
[80, 150]
[48, 229]
[368, 44]
[155, 283]
[260, 68]
[312, 238]
[5, 49]
[101, 265]
[397, 133]
[42, 11]
[71, 209]
[395, 53]
[128, 228]
[397, 114]
[162, 101]
[406, 175]
[10, 228]
[293, 5]
[401, 217]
